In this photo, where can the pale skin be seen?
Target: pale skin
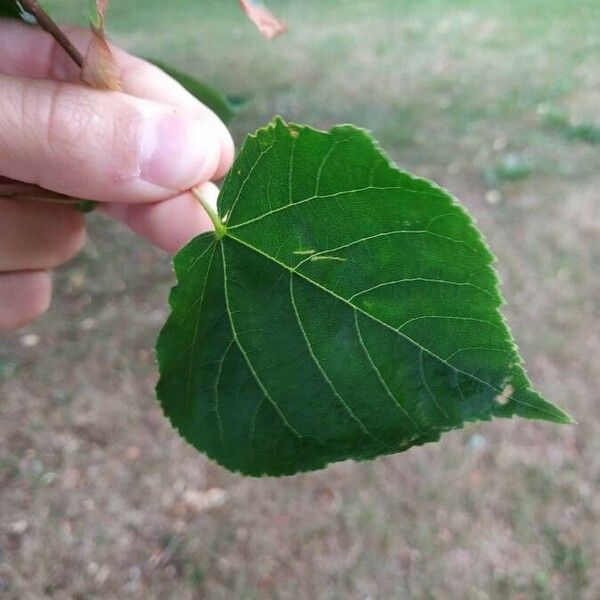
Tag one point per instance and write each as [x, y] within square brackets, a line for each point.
[135, 152]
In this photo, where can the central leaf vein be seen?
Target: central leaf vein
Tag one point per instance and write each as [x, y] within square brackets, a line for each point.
[364, 312]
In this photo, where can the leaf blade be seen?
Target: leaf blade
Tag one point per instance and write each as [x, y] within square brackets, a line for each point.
[207, 94]
[364, 301]
[10, 10]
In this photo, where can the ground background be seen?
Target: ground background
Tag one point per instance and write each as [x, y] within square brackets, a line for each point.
[495, 100]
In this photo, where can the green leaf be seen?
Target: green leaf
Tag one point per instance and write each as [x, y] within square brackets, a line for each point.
[9, 9]
[345, 309]
[208, 95]
[13, 9]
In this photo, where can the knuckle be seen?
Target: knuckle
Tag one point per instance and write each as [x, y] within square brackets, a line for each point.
[68, 118]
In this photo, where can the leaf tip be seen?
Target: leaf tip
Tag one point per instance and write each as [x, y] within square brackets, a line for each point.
[566, 418]
[528, 404]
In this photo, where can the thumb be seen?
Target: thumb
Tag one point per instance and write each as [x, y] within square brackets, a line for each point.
[104, 146]
[169, 224]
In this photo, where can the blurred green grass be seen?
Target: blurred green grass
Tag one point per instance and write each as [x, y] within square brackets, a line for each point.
[411, 71]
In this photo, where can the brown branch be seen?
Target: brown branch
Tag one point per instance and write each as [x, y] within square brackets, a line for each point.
[47, 24]
[17, 190]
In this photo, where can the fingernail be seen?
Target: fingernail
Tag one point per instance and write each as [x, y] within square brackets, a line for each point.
[178, 152]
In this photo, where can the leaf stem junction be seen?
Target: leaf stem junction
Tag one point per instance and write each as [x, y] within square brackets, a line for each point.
[220, 229]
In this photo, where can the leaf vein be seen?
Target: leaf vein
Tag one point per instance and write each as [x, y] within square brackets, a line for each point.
[216, 391]
[379, 235]
[369, 315]
[291, 171]
[197, 326]
[247, 178]
[321, 370]
[475, 320]
[325, 197]
[477, 348]
[198, 258]
[378, 373]
[260, 384]
[326, 158]
[423, 279]
[424, 379]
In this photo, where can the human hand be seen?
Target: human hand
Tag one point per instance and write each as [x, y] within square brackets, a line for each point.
[136, 152]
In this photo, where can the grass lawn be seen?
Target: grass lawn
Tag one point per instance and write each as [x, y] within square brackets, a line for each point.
[499, 102]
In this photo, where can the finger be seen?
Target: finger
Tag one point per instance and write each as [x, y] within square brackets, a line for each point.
[37, 235]
[30, 52]
[144, 80]
[169, 224]
[24, 296]
[99, 145]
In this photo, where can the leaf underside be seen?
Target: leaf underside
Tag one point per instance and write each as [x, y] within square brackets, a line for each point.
[207, 94]
[350, 310]
[9, 9]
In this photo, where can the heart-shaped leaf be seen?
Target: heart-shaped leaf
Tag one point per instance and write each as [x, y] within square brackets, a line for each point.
[343, 309]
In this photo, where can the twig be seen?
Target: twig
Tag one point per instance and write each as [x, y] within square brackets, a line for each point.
[17, 190]
[47, 24]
